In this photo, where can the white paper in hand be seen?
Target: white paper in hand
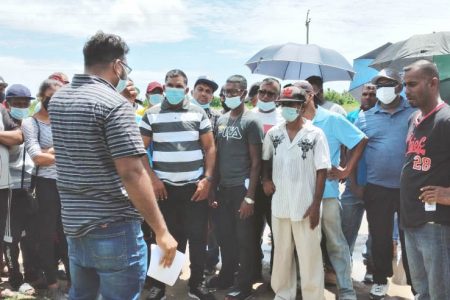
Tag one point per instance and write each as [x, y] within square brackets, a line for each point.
[167, 275]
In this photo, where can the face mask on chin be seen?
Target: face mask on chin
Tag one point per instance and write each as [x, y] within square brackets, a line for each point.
[204, 106]
[386, 95]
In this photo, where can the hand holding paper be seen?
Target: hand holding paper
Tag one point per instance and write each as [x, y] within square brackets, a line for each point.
[156, 270]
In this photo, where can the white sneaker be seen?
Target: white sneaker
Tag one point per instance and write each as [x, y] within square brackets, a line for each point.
[378, 291]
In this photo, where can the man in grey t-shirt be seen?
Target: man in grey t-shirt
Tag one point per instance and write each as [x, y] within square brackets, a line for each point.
[239, 140]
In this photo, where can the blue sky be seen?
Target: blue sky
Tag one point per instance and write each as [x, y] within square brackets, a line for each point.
[38, 37]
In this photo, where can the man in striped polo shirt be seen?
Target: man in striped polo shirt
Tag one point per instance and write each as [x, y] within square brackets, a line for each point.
[183, 164]
[102, 180]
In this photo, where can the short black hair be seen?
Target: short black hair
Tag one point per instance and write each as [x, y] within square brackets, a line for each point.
[103, 48]
[238, 79]
[427, 68]
[254, 88]
[271, 80]
[176, 73]
[316, 80]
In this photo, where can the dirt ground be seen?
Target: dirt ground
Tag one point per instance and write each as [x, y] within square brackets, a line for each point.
[180, 289]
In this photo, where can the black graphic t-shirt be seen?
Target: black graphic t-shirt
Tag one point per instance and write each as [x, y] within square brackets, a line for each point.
[427, 162]
[233, 138]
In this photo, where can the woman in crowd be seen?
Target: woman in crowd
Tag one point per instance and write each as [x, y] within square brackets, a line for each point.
[39, 145]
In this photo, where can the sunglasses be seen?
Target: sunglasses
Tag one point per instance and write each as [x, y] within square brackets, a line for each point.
[269, 94]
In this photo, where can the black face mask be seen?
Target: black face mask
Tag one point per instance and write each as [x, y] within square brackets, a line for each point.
[2, 97]
[45, 103]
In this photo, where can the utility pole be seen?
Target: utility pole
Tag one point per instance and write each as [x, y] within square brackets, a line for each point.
[308, 20]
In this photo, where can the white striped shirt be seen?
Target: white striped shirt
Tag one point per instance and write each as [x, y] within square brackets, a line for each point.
[177, 153]
[294, 167]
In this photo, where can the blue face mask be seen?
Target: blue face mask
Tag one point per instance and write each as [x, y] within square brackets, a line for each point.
[204, 106]
[290, 114]
[19, 113]
[122, 84]
[174, 95]
[233, 102]
[155, 99]
[266, 106]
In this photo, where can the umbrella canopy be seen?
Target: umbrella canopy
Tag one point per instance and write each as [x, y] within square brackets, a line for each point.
[298, 61]
[420, 46]
[364, 73]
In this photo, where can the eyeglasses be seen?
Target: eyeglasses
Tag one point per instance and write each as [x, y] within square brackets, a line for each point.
[387, 84]
[231, 93]
[269, 94]
[127, 68]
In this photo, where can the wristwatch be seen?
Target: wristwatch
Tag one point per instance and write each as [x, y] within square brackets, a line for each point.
[249, 200]
[209, 178]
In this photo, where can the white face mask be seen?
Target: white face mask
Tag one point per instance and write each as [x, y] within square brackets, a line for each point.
[386, 94]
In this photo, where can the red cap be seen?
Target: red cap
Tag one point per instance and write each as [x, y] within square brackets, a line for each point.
[153, 85]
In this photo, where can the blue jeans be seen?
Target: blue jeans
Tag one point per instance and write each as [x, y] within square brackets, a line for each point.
[352, 214]
[428, 248]
[337, 247]
[110, 261]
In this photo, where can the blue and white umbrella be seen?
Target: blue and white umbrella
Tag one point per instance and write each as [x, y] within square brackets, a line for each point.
[293, 61]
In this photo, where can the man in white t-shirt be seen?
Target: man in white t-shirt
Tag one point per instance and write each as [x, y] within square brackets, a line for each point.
[298, 154]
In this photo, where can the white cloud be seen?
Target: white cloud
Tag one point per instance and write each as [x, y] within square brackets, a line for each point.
[134, 20]
[32, 72]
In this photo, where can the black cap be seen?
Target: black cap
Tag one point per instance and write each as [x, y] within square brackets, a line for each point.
[292, 94]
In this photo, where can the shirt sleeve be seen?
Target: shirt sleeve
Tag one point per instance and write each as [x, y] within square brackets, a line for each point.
[321, 152]
[30, 133]
[121, 132]
[8, 123]
[346, 133]
[145, 126]
[255, 132]
[205, 124]
[267, 151]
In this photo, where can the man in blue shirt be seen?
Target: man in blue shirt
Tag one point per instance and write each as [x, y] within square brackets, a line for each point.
[339, 131]
[386, 126]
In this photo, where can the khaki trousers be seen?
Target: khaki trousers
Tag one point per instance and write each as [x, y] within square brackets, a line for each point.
[288, 234]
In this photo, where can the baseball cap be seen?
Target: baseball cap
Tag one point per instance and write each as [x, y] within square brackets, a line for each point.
[59, 76]
[388, 74]
[18, 90]
[154, 85]
[3, 82]
[208, 81]
[292, 94]
[253, 91]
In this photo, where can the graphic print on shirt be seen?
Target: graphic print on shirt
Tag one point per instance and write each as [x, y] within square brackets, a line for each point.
[231, 132]
[276, 140]
[417, 146]
[305, 145]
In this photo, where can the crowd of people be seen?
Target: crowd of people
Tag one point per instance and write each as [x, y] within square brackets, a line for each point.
[96, 176]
